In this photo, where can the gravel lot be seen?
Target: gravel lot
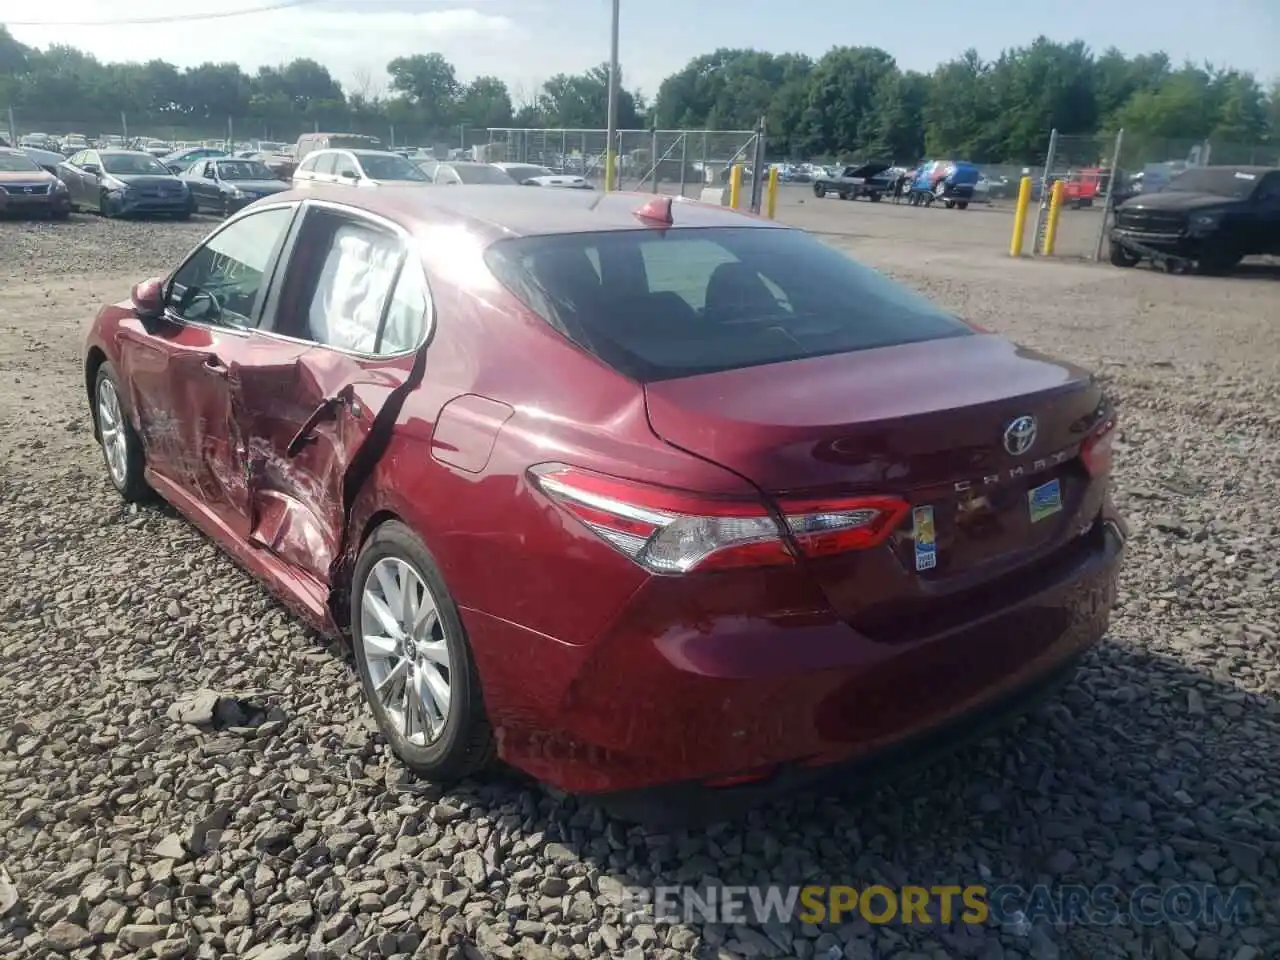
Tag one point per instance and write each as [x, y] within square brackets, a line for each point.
[127, 833]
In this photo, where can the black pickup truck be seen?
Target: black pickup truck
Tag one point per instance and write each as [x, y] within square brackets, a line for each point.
[871, 180]
[1208, 217]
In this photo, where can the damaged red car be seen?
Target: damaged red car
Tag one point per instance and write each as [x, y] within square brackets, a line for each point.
[646, 498]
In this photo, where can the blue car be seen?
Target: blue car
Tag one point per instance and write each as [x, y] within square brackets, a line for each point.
[950, 182]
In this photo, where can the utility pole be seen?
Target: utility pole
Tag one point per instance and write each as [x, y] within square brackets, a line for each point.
[610, 154]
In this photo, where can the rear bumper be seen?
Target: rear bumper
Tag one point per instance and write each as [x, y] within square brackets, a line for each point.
[694, 683]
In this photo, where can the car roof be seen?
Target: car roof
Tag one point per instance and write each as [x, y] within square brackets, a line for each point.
[497, 211]
[117, 152]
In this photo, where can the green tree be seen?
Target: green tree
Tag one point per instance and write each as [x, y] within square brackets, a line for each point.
[485, 102]
[429, 83]
[842, 100]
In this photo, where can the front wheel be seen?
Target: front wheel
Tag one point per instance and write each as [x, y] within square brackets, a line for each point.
[104, 204]
[121, 446]
[962, 204]
[414, 659]
[819, 190]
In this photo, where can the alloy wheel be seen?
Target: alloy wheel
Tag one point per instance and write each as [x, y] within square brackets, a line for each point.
[111, 425]
[406, 650]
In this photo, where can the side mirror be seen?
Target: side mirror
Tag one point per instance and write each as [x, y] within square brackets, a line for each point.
[349, 175]
[148, 299]
[92, 168]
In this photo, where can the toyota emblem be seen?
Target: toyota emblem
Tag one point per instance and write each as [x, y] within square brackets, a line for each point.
[1019, 435]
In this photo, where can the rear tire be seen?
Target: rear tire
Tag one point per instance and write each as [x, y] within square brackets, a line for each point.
[819, 190]
[462, 744]
[962, 204]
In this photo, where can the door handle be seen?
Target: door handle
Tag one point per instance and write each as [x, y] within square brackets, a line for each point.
[216, 367]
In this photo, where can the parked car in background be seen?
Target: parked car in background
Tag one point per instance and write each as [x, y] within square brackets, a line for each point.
[73, 143]
[308, 143]
[457, 172]
[357, 168]
[799, 534]
[40, 141]
[157, 148]
[26, 189]
[180, 160]
[870, 180]
[281, 165]
[1213, 216]
[532, 175]
[226, 185]
[124, 183]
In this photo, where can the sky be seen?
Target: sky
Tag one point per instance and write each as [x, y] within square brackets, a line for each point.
[524, 42]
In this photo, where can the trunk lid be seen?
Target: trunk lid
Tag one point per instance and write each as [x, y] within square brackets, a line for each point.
[925, 422]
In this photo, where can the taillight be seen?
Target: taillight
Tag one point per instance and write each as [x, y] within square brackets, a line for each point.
[675, 531]
[1095, 452]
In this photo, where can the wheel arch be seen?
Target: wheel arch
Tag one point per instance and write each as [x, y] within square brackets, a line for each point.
[93, 361]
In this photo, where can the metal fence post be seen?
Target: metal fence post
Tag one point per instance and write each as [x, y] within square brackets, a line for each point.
[757, 168]
[653, 157]
[1109, 204]
[13, 129]
[1045, 191]
[684, 158]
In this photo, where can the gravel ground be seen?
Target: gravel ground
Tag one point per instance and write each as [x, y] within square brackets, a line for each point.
[289, 832]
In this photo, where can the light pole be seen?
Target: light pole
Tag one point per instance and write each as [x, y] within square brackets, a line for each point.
[610, 157]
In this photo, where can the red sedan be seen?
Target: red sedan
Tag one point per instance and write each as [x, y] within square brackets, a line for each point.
[630, 493]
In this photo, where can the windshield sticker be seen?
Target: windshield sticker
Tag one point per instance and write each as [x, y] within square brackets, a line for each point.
[1246, 176]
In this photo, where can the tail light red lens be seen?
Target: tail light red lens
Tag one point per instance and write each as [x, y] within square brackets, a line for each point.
[671, 531]
[1095, 452]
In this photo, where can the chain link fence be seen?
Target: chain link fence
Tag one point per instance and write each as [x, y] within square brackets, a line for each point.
[671, 161]
[240, 130]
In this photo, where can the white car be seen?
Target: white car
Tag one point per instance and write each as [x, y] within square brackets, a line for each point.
[532, 175]
[357, 168]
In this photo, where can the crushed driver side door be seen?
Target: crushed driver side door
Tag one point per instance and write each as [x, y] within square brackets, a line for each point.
[315, 425]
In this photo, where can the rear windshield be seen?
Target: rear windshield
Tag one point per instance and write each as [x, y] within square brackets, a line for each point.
[657, 306]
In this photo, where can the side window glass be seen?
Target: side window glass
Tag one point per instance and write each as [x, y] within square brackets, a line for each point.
[224, 281]
[326, 162]
[345, 166]
[353, 287]
[308, 165]
[407, 313]
[447, 175]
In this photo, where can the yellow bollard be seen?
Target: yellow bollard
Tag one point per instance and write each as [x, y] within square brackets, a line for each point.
[610, 168]
[1055, 208]
[735, 185]
[771, 204]
[1020, 217]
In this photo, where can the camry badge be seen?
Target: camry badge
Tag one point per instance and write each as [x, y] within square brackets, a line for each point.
[1019, 435]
